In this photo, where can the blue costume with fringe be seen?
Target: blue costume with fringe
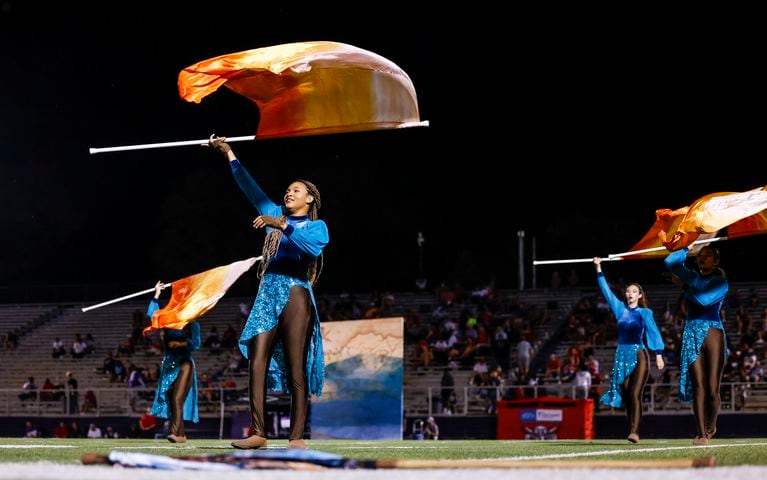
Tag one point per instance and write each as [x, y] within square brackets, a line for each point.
[171, 365]
[633, 323]
[704, 296]
[302, 242]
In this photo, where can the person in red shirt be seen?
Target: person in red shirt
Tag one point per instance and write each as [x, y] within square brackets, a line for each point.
[61, 431]
[148, 423]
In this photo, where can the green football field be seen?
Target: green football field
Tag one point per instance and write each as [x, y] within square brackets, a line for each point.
[725, 452]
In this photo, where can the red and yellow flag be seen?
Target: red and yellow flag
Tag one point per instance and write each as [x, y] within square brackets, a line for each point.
[741, 212]
[310, 88]
[194, 295]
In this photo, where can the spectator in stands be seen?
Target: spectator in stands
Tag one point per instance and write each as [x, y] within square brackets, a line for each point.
[524, 353]
[111, 432]
[136, 381]
[206, 391]
[74, 430]
[119, 371]
[47, 393]
[133, 431]
[31, 430]
[90, 404]
[288, 344]
[94, 431]
[79, 347]
[631, 367]
[553, 366]
[582, 381]
[702, 359]
[29, 390]
[431, 429]
[58, 348]
[108, 366]
[176, 395]
[61, 431]
[147, 423]
[73, 395]
[90, 343]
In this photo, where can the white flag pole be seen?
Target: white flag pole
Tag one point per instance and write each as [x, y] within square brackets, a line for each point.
[183, 143]
[115, 300]
[142, 292]
[658, 249]
[572, 260]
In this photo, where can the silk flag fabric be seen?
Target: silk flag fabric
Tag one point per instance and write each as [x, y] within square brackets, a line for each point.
[741, 212]
[194, 295]
[666, 221]
[310, 88]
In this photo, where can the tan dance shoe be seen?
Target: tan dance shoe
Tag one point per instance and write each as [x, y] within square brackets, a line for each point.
[173, 438]
[297, 444]
[251, 443]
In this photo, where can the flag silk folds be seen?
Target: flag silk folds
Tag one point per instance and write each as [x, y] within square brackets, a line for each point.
[667, 221]
[194, 295]
[741, 212]
[310, 88]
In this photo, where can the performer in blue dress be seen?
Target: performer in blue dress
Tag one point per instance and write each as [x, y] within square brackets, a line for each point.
[702, 359]
[282, 336]
[631, 367]
[176, 395]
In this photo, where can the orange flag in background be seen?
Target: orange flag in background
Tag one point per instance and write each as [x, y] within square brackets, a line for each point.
[742, 212]
[310, 88]
[193, 296]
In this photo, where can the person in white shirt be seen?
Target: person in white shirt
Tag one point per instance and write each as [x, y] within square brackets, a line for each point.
[94, 431]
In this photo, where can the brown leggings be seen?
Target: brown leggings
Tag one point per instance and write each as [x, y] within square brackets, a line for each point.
[176, 396]
[706, 373]
[632, 390]
[294, 329]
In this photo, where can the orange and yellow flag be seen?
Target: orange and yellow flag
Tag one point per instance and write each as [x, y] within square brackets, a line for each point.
[310, 88]
[743, 213]
[194, 295]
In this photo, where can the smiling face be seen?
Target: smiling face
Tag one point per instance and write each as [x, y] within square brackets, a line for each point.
[297, 199]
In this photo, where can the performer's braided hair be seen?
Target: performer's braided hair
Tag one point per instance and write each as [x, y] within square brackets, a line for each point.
[273, 238]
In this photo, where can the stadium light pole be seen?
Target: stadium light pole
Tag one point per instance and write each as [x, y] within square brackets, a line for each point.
[521, 262]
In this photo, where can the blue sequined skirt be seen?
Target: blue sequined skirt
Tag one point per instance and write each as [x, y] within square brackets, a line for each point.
[171, 366]
[694, 335]
[273, 295]
[624, 363]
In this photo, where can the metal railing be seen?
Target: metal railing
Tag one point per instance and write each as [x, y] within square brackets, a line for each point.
[657, 398]
[98, 402]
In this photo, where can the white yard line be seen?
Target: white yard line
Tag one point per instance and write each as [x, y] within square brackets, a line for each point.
[630, 450]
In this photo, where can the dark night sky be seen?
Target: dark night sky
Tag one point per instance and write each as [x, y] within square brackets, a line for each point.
[572, 132]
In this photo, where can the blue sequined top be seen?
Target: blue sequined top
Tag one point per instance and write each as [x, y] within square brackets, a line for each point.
[171, 366]
[632, 322]
[302, 241]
